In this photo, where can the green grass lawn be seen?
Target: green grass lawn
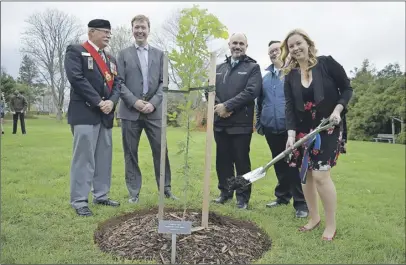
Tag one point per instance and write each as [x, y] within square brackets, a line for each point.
[39, 226]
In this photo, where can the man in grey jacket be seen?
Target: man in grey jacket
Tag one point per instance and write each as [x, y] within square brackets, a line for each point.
[18, 106]
[140, 67]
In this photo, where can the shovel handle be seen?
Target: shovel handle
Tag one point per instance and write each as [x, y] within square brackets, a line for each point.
[298, 144]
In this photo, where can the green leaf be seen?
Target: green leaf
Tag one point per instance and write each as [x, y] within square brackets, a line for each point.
[224, 35]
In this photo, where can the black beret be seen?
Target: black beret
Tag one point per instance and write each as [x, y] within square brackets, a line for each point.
[99, 23]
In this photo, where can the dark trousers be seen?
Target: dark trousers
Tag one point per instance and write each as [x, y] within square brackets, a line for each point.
[232, 154]
[22, 122]
[288, 177]
[131, 133]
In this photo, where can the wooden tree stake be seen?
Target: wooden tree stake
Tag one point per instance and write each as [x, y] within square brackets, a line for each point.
[163, 138]
[209, 141]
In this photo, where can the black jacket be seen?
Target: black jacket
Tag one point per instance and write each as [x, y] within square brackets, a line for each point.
[88, 88]
[331, 87]
[237, 89]
[18, 103]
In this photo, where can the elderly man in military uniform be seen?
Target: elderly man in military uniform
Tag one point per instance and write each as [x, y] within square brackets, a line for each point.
[95, 90]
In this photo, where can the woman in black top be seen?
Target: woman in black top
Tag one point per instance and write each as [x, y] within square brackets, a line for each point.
[316, 87]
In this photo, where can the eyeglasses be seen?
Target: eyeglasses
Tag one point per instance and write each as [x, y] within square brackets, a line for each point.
[105, 31]
[274, 51]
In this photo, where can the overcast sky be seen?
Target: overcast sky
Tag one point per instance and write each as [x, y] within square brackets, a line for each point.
[350, 32]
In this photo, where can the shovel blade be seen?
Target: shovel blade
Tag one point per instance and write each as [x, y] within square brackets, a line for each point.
[240, 182]
[254, 175]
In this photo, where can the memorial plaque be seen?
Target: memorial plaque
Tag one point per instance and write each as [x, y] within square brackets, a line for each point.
[175, 227]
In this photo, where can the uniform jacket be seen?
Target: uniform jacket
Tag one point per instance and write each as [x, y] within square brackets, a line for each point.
[88, 88]
[237, 88]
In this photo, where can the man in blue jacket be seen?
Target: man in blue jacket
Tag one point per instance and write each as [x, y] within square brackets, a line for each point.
[270, 121]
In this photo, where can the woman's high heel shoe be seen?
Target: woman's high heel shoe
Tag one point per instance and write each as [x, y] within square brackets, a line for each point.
[305, 229]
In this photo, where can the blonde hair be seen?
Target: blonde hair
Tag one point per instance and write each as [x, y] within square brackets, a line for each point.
[293, 63]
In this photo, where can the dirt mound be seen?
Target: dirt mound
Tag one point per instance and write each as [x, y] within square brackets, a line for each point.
[227, 241]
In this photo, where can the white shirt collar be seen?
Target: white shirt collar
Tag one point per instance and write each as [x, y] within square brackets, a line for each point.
[276, 71]
[146, 47]
[94, 46]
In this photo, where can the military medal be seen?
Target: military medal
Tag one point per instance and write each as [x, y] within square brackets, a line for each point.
[107, 75]
[113, 68]
[90, 63]
[102, 65]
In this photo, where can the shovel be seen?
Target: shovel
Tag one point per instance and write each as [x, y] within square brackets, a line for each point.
[240, 182]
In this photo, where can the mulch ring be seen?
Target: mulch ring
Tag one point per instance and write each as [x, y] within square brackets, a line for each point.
[134, 236]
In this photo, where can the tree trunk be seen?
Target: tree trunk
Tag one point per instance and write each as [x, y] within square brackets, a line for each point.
[59, 114]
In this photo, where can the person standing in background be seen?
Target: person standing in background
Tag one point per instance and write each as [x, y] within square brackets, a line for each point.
[18, 107]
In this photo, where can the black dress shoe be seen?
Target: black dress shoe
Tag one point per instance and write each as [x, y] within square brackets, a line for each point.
[169, 195]
[275, 204]
[107, 202]
[301, 213]
[242, 205]
[222, 199]
[84, 211]
[134, 199]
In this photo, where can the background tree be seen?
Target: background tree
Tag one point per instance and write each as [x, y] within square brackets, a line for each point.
[47, 35]
[7, 84]
[378, 96]
[28, 75]
[122, 38]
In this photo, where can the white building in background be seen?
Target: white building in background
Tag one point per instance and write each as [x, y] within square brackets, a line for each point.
[45, 103]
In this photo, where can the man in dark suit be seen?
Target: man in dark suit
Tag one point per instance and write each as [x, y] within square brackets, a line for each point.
[140, 68]
[95, 89]
[238, 83]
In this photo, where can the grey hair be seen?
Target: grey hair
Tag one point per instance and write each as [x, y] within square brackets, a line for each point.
[245, 36]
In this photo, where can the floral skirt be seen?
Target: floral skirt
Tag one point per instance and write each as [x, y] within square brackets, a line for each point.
[322, 159]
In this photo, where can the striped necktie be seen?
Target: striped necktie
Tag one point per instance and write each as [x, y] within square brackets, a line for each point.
[102, 55]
